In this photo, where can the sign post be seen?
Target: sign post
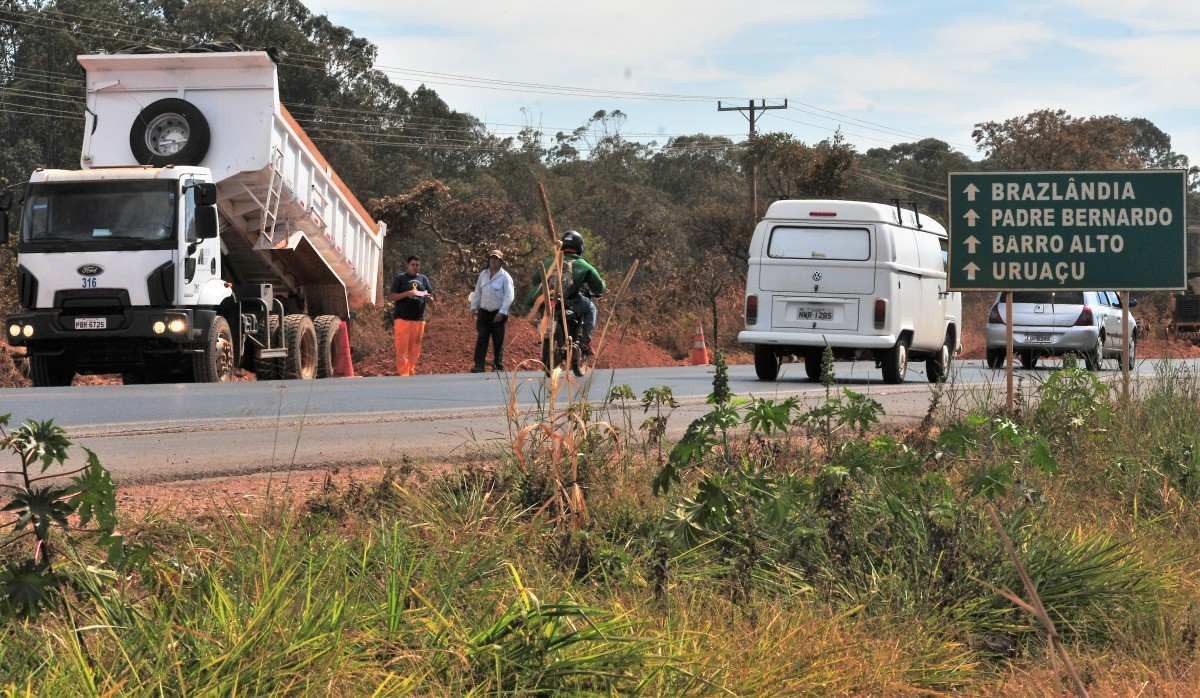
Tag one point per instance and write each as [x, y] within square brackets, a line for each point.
[1067, 231]
[1008, 350]
[1126, 345]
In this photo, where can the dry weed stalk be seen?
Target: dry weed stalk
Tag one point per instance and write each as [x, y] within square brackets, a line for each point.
[1034, 606]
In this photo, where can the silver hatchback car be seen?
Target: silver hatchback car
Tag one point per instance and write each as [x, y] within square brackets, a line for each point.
[1055, 323]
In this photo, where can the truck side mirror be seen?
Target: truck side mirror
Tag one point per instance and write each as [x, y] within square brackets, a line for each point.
[6, 199]
[206, 194]
[1133, 302]
[206, 222]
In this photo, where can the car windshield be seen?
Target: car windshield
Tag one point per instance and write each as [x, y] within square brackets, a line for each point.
[99, 212]
[1049, 297]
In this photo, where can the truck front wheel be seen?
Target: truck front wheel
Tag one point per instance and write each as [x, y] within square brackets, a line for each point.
[300, 338]
[51, 371]
[216, 362]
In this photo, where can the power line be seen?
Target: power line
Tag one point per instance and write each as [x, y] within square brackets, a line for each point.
[901, 187]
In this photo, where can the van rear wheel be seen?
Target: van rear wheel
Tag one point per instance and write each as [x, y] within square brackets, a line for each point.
[895, 363]
[812, 366]
[766, 363]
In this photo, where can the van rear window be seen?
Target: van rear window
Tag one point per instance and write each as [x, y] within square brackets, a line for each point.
[1059, 297]
[820, 243]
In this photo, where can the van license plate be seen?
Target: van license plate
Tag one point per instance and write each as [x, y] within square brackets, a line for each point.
[91, 323]
[820, 314]
[1038, 338]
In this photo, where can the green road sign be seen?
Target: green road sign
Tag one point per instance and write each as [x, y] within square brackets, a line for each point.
[1014, 231]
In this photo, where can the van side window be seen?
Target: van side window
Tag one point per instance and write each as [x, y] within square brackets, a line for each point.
[904, 242]
[944, 243]
[930, 252]
[851, 244]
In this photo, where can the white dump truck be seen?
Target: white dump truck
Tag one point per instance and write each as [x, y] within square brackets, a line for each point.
[204, 232]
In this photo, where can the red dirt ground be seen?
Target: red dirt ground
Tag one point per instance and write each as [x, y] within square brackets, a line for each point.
[449, 346]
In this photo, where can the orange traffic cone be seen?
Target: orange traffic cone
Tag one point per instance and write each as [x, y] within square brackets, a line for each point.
[343, 365]
[699, 350]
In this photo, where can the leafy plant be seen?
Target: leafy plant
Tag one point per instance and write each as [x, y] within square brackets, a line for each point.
[43, 504]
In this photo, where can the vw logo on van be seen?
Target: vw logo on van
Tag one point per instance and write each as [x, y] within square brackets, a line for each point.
[817, 276]
[90, 270]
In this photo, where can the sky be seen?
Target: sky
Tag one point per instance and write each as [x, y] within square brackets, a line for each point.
[884, 71]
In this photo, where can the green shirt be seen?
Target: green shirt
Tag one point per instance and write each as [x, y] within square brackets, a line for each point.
[584, 276]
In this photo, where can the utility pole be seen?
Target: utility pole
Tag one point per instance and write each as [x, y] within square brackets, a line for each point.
[753, 112]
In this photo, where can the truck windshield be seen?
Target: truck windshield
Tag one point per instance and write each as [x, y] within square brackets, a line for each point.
[100, 214]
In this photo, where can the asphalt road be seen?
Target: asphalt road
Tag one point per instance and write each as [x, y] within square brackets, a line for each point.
[171, 432]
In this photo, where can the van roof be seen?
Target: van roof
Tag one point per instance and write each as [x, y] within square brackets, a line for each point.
[829, 210]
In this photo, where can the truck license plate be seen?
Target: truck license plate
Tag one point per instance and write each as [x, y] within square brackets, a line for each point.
[91, 323]
[1038, 338]
[820, 314]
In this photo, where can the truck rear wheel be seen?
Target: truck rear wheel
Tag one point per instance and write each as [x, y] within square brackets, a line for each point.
[51, 371]
[766, 363]
[812, 366]
[215, 363]
[300, 338]
[328, 327]
[270, 369]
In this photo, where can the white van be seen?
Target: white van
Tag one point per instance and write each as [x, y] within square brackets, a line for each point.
[867, 279]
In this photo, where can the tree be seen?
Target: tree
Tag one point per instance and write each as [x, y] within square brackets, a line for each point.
[790, 169]
[1054, 140]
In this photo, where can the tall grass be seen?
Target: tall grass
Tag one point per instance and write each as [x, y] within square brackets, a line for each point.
[810, 561]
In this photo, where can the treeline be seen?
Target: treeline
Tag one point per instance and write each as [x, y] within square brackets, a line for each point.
[450, 188]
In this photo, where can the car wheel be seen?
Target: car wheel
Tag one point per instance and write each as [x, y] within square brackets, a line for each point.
[766, 363]
[1094, 359]
[895, 363]
[1029, 359]
[995, 358]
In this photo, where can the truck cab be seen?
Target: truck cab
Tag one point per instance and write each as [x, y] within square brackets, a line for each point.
[113, 263]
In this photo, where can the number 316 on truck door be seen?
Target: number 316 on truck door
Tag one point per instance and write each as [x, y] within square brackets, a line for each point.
[88, 281]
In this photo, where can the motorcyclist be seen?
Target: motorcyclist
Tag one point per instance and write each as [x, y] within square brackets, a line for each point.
[582, 281]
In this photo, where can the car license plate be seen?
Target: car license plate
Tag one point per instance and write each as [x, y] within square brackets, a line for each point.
[820, 314]
[91, 323]
[1038, 338]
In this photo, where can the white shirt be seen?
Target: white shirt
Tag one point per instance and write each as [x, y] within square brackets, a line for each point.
[493, 293]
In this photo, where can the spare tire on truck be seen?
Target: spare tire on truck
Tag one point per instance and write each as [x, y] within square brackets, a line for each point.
[169, 132]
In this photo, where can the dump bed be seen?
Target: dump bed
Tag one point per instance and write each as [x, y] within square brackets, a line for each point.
[288, 219]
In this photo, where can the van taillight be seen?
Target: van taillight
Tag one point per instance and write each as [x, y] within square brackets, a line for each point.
[1085, 318]
[994, 316]
[880, 312]
[822, 214]
[751, 310]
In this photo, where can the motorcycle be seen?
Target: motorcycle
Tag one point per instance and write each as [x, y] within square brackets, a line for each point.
[565, 342]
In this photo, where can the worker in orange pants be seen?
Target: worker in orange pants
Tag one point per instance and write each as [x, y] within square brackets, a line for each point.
[408, 335]
[411, 292]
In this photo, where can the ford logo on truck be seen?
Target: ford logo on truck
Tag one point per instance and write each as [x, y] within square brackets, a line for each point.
[90, 270]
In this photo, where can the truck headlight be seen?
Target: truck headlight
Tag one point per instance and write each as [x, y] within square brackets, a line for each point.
[177, 325]
[27, 331]
[14, 330]
[159, 327]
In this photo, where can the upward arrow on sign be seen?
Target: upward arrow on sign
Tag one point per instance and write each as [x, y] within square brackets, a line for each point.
[972, 243]
[971, 217]
[971, 269]
[971, 191]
